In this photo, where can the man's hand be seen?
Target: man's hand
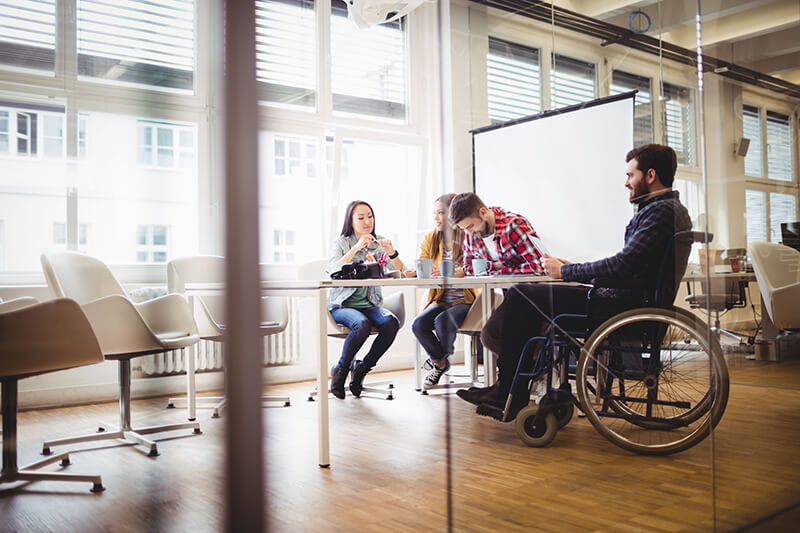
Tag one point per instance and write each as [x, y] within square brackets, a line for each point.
[552, 266]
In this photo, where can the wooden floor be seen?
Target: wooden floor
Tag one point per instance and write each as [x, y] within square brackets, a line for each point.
[388, 470]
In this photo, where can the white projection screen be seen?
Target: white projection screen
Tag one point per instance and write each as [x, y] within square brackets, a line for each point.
[564, 171]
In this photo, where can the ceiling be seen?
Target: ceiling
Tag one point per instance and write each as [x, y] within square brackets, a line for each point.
[759, 35]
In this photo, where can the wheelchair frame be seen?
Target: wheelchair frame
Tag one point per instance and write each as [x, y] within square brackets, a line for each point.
[652, 380]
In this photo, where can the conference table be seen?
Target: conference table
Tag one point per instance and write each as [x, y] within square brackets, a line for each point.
[318, 289]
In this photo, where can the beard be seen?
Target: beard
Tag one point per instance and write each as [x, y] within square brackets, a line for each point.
[639, 192]
[485, 230]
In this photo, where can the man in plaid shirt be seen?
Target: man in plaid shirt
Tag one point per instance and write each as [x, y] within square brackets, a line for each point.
[527, 308]
[506, 239]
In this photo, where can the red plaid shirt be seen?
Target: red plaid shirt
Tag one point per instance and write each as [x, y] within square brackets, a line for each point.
[512, 235]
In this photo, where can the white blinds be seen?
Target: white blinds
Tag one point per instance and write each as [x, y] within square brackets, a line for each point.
[782, 208]
[679, 123]
[514, 80]
[137, 41]
[368, 66]
[751, 128]
[28, 33]
[756, 215]
[573, 81]
[622, 82]
[286, 51]
[779, 147]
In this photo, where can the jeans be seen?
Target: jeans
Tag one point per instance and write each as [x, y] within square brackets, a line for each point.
[436, 328]
[525, 313]
[360, 323]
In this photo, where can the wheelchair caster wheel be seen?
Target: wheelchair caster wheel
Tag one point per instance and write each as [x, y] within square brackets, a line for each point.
[532, 433]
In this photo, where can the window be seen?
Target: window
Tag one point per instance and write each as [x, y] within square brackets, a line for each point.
[28, 34]
[31, 131]
[137, 43]
[294, 157]
[60, 235]
[514, 80]
[623, 82]
[782, 208]
[284, 246]
[573, 82]
[151, 244]
[765, 213]
[679, 122]
[779, 147]
[368, 66]
[751, 129]
[285, 52]
[165, 145]
[83, 125]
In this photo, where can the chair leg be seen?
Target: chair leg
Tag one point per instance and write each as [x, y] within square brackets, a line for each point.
[10, 472]
[124, 431]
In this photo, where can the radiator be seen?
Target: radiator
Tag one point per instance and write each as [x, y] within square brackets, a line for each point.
[280, 349]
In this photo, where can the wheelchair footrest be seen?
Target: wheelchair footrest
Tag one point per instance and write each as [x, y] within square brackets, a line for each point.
[490, 410]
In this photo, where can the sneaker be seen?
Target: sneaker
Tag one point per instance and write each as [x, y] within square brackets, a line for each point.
[436, 374]
[428, 364]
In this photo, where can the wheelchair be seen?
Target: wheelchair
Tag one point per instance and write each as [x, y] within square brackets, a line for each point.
[650, 378]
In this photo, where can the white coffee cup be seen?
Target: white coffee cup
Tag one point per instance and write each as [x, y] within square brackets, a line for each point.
[424, 268]
[480, 266]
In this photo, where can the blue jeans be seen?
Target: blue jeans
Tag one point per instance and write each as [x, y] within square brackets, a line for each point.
[436, 327]
[360, 322]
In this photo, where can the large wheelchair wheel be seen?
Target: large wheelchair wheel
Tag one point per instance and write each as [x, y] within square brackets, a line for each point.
[653, 381]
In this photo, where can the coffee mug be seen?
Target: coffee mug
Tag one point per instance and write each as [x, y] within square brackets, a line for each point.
[424, 268]
[480, 266]
[446, 268]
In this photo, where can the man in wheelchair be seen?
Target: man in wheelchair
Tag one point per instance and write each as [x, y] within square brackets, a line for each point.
[528, 308]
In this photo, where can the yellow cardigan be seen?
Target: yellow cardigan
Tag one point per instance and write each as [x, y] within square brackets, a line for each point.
[435, 295]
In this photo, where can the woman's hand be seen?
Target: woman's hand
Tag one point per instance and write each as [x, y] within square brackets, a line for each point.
[364, 241]
[387, 246]
[435, 271]
[410, 274]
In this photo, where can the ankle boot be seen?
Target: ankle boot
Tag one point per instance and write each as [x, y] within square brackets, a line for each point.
[338, 376]
[357, 372]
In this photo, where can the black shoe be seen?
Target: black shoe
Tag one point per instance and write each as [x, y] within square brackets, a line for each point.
[357, 372]
[494, 404]
[338, 376]
[478, 395]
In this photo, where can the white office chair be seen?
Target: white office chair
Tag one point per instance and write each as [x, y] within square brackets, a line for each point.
[471, 328]
[209, 311]
[394, 303]
[777, 270]
[36, 338]
[124, 330]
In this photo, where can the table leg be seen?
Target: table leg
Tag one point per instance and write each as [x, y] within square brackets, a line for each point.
[322, 381]
[191, 396]
[417, 356]
[489, 367]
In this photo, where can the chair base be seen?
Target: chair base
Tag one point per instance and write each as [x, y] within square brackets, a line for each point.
[131, 435]
[124, 431]
[220, 402]
[10, 473]
[28, 473]
[719, 331]
[375, 387]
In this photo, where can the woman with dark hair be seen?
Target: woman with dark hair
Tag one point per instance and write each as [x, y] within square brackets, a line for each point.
[444, 309]
[359, 309]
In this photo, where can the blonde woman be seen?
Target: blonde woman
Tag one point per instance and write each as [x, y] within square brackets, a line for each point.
[445, 309]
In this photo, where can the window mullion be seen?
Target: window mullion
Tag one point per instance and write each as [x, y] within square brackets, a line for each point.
[67, 38]
[324, 83]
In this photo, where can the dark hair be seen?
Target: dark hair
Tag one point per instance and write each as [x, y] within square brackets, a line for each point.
[466, 204]
[660, 158]
[347, 227]
[457, 234]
